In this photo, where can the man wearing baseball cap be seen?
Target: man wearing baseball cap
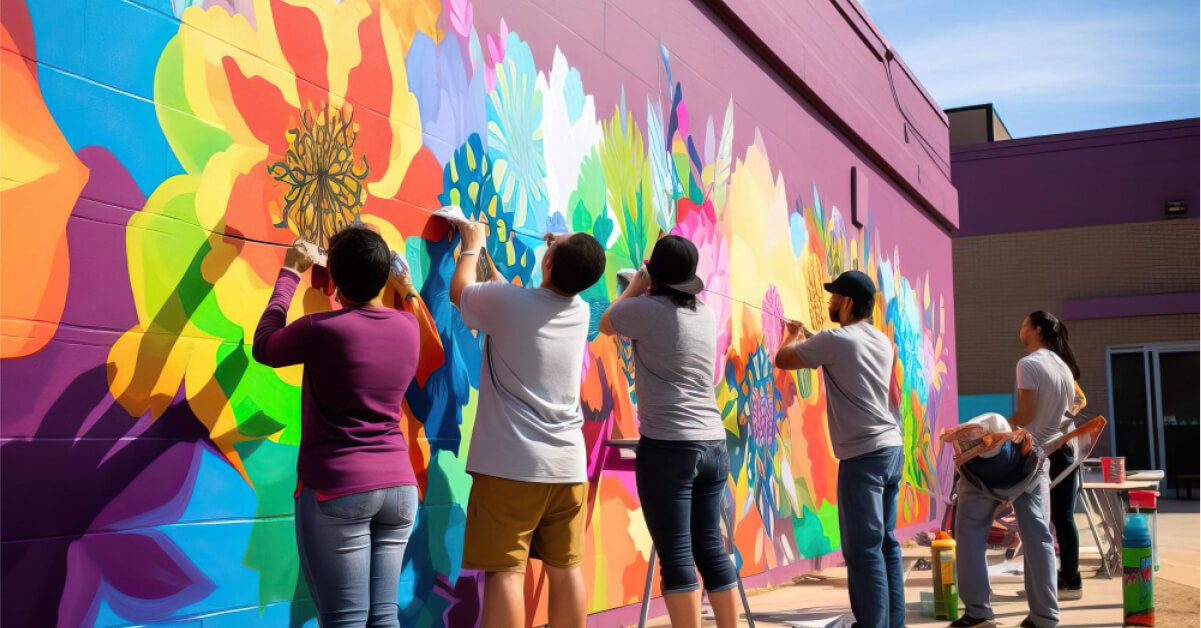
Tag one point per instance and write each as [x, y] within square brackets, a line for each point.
[857, 365]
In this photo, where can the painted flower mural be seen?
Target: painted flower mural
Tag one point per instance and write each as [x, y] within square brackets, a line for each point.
[269, 155]
[37, 169]
[286, 118]
[325, 188]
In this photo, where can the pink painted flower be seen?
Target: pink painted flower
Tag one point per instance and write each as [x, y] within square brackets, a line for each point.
[771, 319]
[699, 224]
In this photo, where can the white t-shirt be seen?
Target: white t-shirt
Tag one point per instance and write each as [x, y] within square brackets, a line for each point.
[1050, 378]
[528, 419]
[856, 362]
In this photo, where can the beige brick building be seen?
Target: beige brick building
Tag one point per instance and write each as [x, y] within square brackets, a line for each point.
[1101, 229]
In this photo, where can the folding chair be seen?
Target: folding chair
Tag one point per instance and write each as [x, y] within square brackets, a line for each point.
[1082, 440]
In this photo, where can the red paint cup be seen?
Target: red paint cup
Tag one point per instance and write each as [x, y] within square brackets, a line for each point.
[1114, 469]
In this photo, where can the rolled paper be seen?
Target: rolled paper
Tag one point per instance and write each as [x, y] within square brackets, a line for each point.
[398, 265]
[452, 214]
[315, 253]
[624, 277]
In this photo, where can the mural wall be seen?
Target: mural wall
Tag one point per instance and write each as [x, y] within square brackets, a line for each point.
[156, 158]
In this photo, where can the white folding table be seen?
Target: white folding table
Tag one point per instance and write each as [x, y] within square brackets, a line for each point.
[1109, 501]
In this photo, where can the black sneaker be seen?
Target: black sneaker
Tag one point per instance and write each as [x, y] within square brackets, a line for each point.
[1027, 623]
[967, 621]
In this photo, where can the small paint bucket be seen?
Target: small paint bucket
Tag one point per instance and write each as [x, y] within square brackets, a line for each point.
[1114, 469]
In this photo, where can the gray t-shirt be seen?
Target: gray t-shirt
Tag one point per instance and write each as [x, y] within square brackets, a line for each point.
[856, 363]
[674, 352]
[1051, 379]
[528, 419]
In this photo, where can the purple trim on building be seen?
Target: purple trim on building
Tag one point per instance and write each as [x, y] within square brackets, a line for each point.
[1133, 305]
[1103, 177]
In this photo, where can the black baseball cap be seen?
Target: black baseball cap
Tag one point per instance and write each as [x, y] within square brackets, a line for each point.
[673, 262]
[854, 284]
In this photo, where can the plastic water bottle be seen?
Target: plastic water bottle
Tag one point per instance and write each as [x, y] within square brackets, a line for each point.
[1138, 572]
[946, 591]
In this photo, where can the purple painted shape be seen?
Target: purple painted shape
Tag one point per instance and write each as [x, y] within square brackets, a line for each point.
[55, 491]
[114, 184]
[1103, 177]
[74, 462]
[158, 495]
[1132, 305]
[143, 576]
[98, 296]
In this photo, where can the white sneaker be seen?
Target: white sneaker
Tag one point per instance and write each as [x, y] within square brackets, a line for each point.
[1068, 594]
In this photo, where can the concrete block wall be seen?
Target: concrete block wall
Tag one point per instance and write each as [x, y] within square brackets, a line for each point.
[147, 462]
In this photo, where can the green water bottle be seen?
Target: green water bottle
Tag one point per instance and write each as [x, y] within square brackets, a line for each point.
[1138, 595]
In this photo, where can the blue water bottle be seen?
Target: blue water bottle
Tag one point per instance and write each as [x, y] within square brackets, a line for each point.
[1138, 596]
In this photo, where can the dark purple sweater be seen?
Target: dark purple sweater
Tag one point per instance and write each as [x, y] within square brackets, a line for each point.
[358, 363]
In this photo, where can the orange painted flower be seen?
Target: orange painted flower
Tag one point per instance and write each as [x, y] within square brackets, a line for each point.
[293, 120]
[40, 179]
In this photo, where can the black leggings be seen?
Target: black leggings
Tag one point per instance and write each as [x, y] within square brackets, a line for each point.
[1063, 516]
[680, 485]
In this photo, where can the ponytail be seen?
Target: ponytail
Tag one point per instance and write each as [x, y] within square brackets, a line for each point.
[1055, 335]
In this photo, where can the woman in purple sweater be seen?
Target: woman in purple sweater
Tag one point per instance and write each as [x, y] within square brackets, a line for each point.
[357, 494]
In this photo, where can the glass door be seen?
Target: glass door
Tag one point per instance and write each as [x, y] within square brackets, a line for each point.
[1154, 406]
[1178, 400]
[1130, 403]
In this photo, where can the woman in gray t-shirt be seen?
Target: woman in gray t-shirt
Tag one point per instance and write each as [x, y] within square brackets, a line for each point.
[682, 463]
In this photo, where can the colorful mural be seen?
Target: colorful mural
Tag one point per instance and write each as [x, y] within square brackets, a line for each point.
[149, 182]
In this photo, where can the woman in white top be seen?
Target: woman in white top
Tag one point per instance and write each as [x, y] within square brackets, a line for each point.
[1046, 388]
[1048, 333]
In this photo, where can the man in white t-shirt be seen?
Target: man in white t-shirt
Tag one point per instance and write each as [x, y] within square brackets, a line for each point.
[857, 362]
[527, 455]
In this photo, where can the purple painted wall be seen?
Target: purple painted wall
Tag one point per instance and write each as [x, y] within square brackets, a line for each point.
[1103, 177]
[1128, 306]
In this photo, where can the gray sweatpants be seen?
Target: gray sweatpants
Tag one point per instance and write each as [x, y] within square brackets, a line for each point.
[973, 518]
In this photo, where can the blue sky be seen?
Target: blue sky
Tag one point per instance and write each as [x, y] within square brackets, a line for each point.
[1052, 67]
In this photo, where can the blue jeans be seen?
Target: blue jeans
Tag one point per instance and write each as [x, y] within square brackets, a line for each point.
[680, 486]
[868, 486]
[351, 550]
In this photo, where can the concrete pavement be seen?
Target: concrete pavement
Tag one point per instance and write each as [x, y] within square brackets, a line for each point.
[823, 595]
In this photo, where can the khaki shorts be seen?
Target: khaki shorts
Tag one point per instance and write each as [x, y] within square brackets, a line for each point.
[509, 522]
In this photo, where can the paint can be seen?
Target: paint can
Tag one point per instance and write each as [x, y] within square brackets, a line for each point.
[946, 590]
[1113, 469]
